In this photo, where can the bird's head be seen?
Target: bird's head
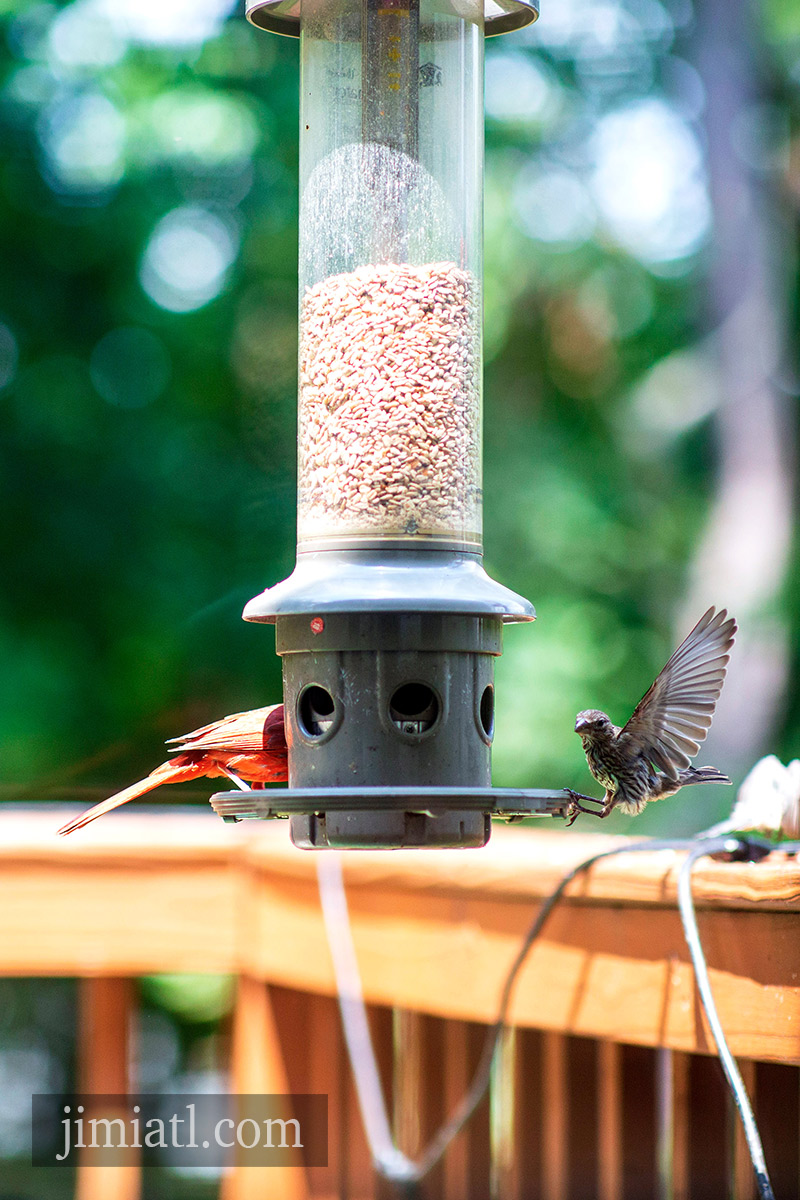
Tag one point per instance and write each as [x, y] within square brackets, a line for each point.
[591, 723]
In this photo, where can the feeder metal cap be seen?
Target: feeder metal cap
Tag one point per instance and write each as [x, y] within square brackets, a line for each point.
[283, 16]
[383, 581]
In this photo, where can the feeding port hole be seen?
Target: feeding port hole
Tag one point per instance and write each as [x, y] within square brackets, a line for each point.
[414, 708]
[316, 711]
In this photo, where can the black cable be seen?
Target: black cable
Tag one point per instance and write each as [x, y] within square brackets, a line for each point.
[480, 1083]
[406, 1174]
[389, 1161]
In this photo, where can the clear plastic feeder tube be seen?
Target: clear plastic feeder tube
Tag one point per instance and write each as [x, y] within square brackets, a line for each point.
[390, 372]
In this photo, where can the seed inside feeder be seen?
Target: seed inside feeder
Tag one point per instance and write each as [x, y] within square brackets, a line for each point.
[390, 394]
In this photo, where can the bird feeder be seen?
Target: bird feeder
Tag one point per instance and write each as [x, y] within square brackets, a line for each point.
[389, 625]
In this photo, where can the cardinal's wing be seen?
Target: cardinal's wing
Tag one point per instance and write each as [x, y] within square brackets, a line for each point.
[673, 717]
[260, 729]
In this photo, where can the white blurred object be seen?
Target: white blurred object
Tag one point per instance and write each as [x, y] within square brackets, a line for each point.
[188, 258]
[768, 802]
[180, 22]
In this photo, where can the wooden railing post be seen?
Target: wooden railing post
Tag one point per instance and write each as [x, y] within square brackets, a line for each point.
[408, 1079]
[555, 1117]
[325, 1074]
[106, 1012]
[672, 1124]
[258, 1068]
[527, 1168]
[456, 1082]
[743, 1182]
[609, 1116]
[503, 1118]
[467, 1164]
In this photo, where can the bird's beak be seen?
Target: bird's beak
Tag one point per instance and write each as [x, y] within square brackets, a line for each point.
[580, 724]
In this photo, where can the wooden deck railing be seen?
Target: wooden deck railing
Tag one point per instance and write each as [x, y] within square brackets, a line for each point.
[610, 1089]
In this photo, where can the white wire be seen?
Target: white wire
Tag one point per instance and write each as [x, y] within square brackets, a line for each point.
[391, 1161]
[732, 1073]
[240, 783]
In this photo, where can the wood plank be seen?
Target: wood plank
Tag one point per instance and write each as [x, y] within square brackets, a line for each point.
[477, 1132]
[456, 1081]
[382, 1031]
[682, 1126]
[292, 1014]
[776, 1096]
[528, 1136]
[105, 1035]
[583, 1090]
[517, 863]
[673, 1124]
[71, 918]
[162, 833]
[360, 1180]
[609, 1119]
[418, 1079]
[639, 1128]
[467, 1162]
[434, 1110]
[528, 863]
[708, 1146]
[502, 1117]
[408, 1081]
[105, 1032]
[258, 1068]
[555, 1117]
[743, 1182]
[325, 1066]
[428, 954]
[435, 931]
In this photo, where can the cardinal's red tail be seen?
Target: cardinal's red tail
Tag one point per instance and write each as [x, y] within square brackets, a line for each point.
[169, 772]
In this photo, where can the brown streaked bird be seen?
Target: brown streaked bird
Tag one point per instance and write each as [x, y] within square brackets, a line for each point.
[650, 757]
[247, 746]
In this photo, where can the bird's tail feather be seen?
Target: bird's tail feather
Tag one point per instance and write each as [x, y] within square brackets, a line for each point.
[168, 772]
[702, 775]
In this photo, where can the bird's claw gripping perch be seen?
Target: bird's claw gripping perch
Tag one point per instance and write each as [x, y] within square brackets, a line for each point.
[575, 806]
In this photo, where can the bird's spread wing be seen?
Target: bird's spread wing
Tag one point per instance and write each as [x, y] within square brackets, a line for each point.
[241, 733]
[672, 718]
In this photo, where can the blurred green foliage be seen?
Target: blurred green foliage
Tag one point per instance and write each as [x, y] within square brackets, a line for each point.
[147, 461]
[197, 998]
[147, 493]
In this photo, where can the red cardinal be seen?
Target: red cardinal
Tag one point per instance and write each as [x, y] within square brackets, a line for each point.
[248, 745]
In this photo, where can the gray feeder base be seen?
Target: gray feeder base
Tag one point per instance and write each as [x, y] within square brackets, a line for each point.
[384, 818]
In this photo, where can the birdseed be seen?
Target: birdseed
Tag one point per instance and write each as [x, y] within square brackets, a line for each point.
[390, 397]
